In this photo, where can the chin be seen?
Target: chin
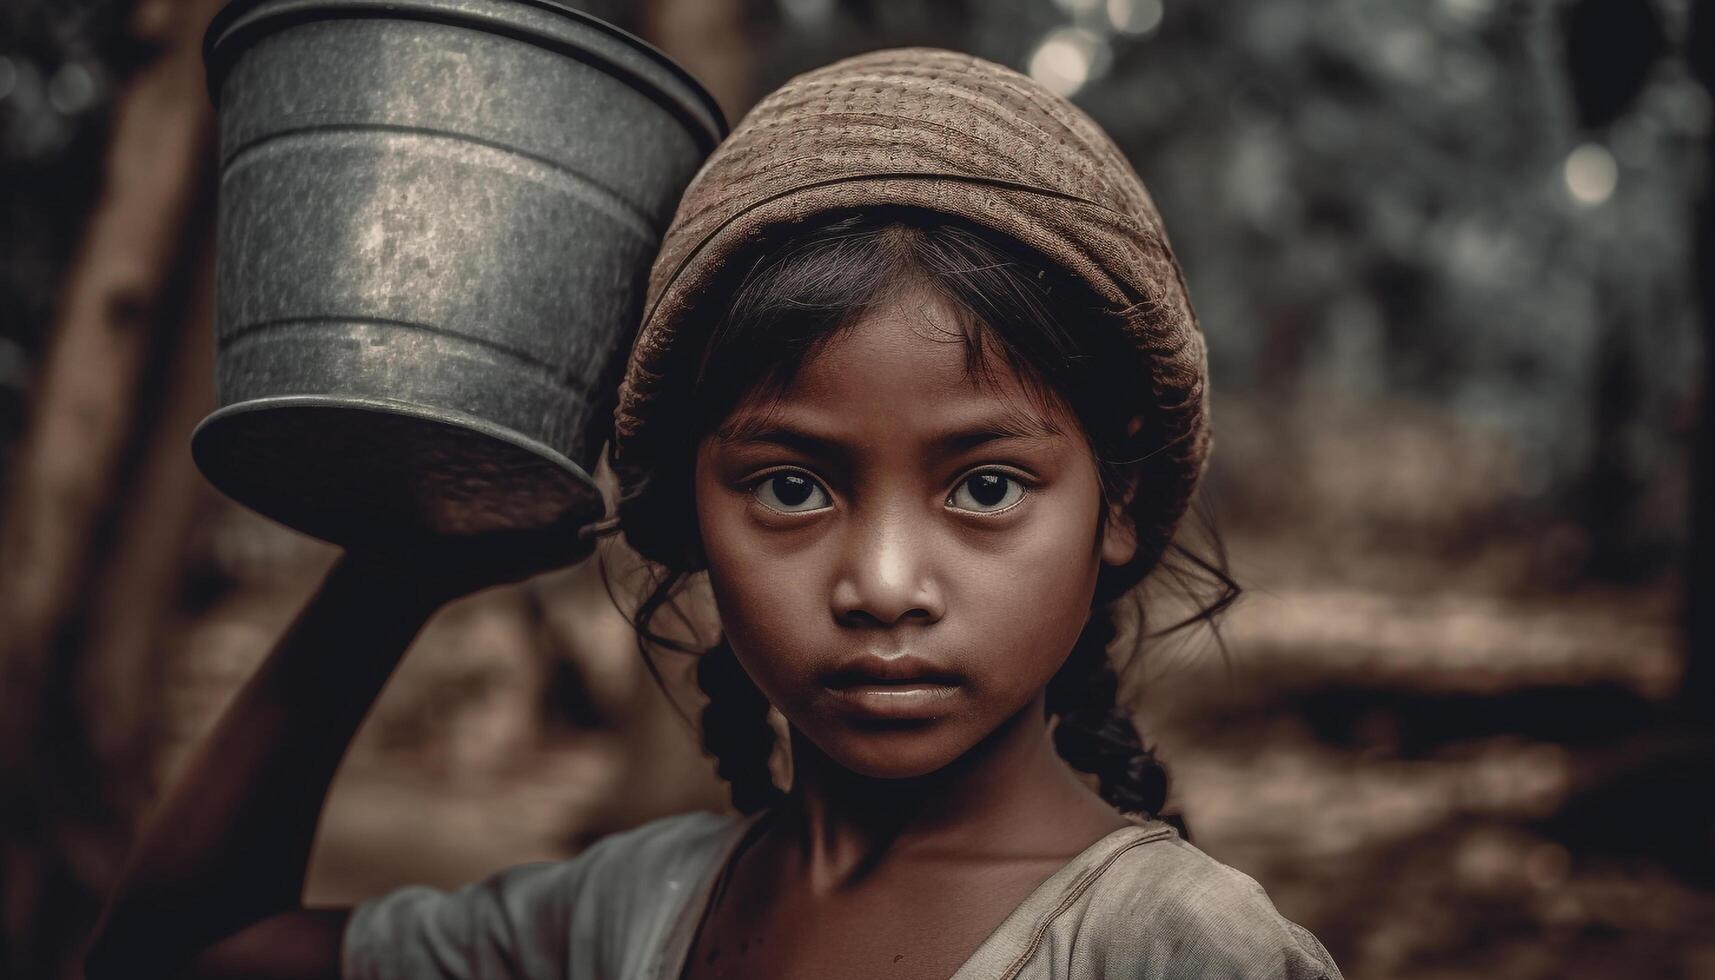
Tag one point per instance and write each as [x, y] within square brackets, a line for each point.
[895, 753]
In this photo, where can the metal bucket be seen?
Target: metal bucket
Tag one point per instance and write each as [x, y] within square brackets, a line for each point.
[436, 220]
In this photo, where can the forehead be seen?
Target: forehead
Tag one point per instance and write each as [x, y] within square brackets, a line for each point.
[902, 363]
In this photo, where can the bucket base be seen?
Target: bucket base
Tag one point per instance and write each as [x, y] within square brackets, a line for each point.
[393, 477]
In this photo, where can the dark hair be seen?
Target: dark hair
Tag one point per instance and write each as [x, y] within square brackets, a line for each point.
[798, 293]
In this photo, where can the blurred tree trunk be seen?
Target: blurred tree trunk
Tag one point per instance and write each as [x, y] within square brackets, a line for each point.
[95, 503]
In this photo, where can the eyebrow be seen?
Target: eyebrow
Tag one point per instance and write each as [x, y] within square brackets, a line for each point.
[759, 429]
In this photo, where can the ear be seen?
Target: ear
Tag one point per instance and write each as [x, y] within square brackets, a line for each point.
[1119, 536]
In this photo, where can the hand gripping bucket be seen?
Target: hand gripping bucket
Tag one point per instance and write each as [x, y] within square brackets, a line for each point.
[436, 220]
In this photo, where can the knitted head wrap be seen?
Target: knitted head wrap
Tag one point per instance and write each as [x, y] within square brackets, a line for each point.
[943, 132]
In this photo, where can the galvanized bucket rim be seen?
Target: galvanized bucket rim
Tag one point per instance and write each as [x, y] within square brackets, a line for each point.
[405, 409]
[710, 126]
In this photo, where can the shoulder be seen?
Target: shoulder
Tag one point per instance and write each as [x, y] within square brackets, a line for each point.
[679, 837]
[671, 852]
[659, 855]
[1164, 907]
[589, 915]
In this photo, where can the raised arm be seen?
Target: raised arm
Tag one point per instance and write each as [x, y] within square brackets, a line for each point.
[213, 886]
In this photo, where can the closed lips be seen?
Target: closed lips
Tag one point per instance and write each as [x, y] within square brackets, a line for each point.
[898, 671]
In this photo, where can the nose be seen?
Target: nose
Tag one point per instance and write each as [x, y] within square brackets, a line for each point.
[886, 571]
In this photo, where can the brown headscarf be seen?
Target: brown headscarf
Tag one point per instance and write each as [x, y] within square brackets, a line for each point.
[940, 131]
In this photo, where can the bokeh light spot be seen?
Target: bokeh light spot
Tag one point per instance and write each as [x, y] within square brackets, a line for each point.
[1135, 17]
[1590, 174]
[72, 89]
[1066, 59]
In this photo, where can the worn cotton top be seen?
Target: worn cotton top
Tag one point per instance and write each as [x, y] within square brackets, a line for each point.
[1139, 903]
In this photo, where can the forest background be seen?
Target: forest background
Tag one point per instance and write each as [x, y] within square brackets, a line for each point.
[1447, 255]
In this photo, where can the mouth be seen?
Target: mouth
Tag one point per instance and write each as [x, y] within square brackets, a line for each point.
[894, 688]
[907, 671]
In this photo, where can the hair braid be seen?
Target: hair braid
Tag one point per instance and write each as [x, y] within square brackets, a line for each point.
[735, 728]
[1095, 734]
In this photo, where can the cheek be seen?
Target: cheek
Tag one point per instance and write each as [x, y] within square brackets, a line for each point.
[756, 599]
[1032, 600]
[760, 593]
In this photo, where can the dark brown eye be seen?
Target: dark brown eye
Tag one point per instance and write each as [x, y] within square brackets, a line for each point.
[987, 492]
[790, 492]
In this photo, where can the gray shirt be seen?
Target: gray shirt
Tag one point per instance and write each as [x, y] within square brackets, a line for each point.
[1139, 903]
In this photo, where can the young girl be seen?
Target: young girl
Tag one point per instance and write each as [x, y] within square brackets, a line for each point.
[920, 389]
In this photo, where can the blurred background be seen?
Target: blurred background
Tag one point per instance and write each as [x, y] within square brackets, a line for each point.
[1448, 255]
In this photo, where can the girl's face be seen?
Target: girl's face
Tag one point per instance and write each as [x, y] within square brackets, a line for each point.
[902, 557]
